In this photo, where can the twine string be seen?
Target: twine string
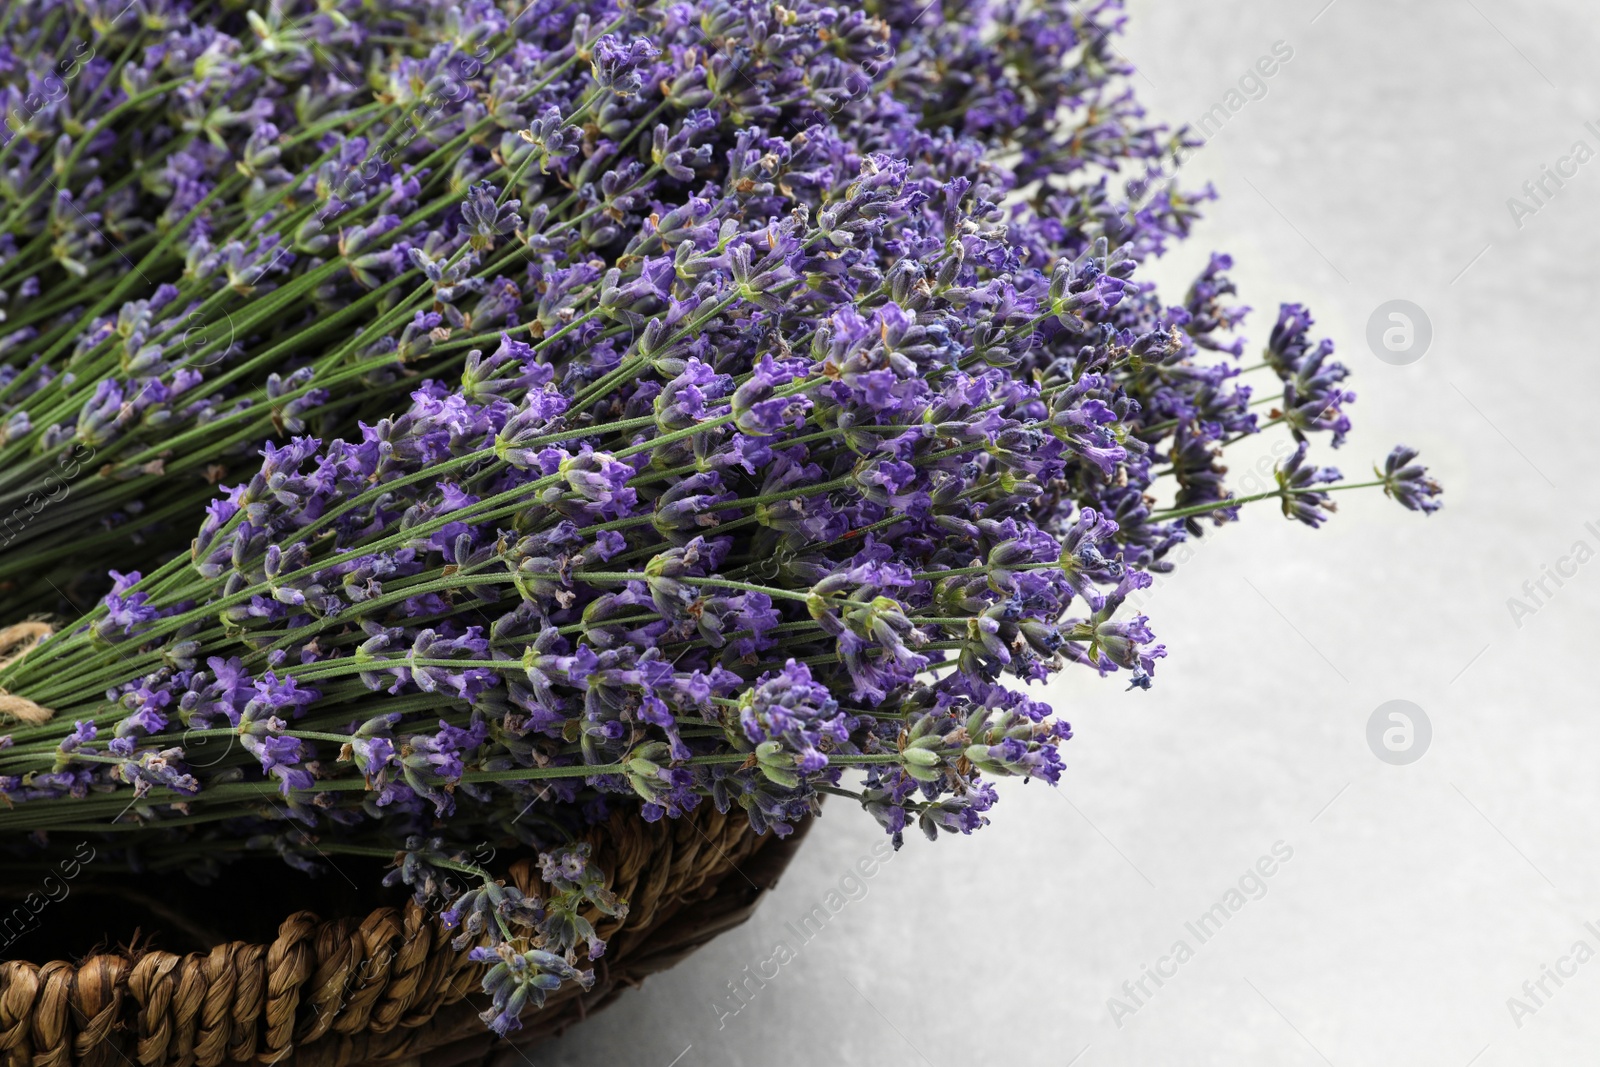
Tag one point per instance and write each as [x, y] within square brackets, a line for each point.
[17, 641]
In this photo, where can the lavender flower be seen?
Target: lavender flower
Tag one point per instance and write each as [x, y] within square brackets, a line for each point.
[664, 408]
[791, 712]
[519, 981]
[483, 219]
[1295, 481]
[1408, 482]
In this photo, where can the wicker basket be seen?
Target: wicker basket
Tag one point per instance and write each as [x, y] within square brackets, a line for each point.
[377, 986]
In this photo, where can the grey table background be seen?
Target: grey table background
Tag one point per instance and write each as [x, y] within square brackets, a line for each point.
[1418, 898]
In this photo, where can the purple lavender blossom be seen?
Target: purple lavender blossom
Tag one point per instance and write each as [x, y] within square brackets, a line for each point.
[789, 708]
[672, 405]
[1409, 482]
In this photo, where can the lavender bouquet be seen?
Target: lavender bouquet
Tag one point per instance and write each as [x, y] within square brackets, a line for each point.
[477, 419]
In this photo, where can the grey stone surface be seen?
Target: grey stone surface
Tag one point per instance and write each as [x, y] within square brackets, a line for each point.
[1418, 898]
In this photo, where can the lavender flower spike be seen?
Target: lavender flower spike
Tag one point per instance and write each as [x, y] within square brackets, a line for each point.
[1409, 482]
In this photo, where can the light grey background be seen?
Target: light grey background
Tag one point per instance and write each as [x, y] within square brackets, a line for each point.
[1419, 898]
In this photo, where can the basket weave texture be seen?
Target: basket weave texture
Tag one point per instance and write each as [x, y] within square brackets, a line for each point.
[386, 987]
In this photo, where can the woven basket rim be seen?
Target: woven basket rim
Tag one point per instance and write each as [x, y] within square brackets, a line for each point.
[385, 986]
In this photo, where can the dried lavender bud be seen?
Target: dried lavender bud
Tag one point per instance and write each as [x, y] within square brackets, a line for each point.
[649, 411]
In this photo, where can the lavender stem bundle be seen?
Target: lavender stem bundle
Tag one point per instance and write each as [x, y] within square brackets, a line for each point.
[718, 404]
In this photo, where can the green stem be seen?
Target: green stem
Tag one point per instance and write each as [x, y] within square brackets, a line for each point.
[1274, 494]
